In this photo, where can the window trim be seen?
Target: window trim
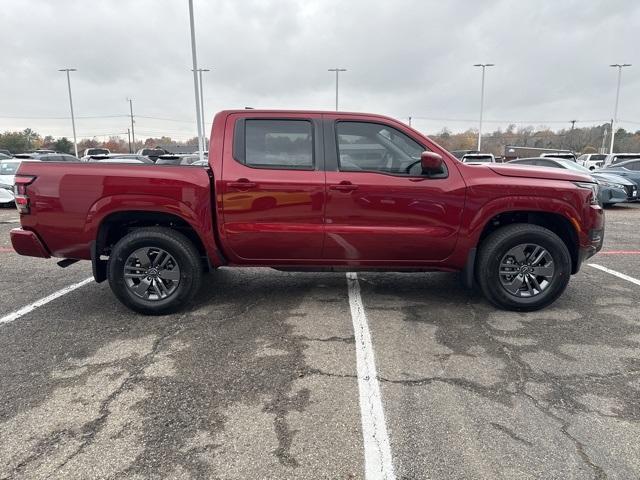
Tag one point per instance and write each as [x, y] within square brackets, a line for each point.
[239, 153]
[444, 174]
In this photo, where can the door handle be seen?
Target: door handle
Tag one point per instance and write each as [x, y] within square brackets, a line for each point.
[344, 187]
[242, 184]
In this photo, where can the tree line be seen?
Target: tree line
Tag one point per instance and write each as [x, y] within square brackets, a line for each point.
[28, 140]
[580, 140]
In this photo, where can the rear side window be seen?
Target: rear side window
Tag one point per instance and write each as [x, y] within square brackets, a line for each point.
[277, 144]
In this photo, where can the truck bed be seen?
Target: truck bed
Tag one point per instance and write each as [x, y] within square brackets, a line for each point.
[69, 201]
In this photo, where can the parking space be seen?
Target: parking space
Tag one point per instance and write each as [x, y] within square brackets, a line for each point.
[259, 378]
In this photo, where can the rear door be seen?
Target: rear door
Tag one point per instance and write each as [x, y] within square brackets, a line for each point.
[380, 207]
[273, 188]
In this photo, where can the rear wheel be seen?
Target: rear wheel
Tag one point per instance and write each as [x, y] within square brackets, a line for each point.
[154, 270]
[523, 267]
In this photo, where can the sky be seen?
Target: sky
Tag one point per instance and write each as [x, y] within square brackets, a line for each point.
[403, 58]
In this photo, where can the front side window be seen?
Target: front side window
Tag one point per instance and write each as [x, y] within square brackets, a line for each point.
[378, 148]
[280, 144]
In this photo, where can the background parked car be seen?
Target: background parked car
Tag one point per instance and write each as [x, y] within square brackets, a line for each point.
[152, 153]
[47, 157]
[120, 158]
[88, 152]
[613, 188]
[6, 153]
[591, 160]
[8, 169]
[615, 158]
[177, 159]
[474, 158]
[564, 155]
[629, 170]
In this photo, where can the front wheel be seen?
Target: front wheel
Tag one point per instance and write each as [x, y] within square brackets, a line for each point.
[523, 267]
[154, 270]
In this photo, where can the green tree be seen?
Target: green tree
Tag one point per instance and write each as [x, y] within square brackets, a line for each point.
[63, 145]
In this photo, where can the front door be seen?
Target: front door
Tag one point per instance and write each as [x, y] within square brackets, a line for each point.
[380, 208]
[273, 190]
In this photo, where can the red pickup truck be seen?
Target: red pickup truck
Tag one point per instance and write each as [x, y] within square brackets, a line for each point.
[304, 190]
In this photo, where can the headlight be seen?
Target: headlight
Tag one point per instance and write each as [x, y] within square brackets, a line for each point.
[610, 184]
[6, 186]
[594, 191]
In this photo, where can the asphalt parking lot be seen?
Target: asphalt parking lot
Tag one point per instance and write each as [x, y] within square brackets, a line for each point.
[259, 379]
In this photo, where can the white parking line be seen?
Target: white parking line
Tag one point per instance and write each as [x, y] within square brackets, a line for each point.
[43, 301]
[617, 274]
[377, 452]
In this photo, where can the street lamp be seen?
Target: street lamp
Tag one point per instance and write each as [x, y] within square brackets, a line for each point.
[204, 128]
[337, 70]
[195, 80]
[483, 65]
[619, 66]
[73, 120]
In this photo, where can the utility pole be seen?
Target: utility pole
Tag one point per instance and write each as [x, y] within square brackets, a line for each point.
[129, 137]
[73, 120]
[483, 65]
[337, 70]
[409, 121]
[133, 131]
[619, 66]
[573, 125]
[194, 59]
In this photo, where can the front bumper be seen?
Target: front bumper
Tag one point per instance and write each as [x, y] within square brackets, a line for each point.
[27, 243]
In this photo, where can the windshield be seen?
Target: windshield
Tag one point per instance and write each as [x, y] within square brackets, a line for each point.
[98, 151]
[8, 167]
[477, 158]
[573, 166]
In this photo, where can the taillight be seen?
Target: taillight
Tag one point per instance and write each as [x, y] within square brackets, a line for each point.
[20, 193]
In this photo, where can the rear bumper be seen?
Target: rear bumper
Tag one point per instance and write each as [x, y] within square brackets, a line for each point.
[27, 243]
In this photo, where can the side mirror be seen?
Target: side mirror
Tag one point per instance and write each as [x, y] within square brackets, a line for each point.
[431, 162]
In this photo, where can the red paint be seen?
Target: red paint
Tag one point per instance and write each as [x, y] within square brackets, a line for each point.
[301, 218]
[27, 243]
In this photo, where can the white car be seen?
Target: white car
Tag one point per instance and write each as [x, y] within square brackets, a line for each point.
[90, 152]
[614, 158]
[477, 158]
[8, 169]
[591, 160]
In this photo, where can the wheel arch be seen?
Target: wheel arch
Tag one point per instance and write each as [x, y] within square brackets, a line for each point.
[554, 221]
[107, 229]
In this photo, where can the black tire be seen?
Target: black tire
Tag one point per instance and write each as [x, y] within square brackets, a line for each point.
[170, 241]
[493, 250]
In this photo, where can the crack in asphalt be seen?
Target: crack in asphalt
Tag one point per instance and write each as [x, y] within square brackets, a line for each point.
[92, 428]
[350, 339]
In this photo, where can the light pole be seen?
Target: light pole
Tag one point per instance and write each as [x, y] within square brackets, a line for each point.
[133, 131]
[194, 59]
[204, 128]
[483, 65]
[337, 70]
[619, 66]
[73, 120]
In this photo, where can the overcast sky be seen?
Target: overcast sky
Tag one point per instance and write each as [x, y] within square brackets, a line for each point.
[404, 58]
